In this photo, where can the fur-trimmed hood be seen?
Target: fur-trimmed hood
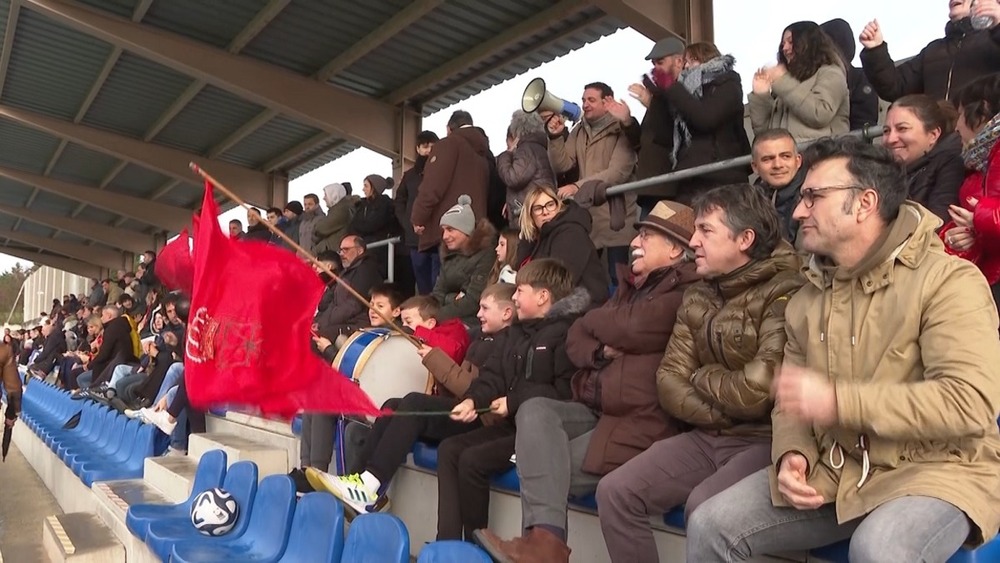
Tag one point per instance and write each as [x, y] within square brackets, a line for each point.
[483, 237]
[576, 303]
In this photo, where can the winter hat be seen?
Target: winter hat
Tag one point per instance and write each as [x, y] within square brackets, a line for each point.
[295, 207]
[378, 183]
[460, 217]
[673, 219]
[334, 193]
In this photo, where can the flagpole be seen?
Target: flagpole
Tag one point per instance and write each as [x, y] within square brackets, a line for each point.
[312, 259]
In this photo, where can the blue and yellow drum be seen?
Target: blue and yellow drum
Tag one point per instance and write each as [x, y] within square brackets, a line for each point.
[384, 364]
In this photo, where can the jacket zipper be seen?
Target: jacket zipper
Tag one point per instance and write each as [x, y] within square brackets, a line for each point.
[718, 336]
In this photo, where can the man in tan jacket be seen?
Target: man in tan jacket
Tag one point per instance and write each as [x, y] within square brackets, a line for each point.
[600, 150]
[885, 426]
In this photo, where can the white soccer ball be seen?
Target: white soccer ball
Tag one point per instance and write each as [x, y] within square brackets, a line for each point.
[214, 512]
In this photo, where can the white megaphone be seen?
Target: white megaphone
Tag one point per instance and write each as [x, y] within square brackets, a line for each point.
[536, 98]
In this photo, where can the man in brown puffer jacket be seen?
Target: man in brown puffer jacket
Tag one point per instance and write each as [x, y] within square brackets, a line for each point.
[716, 372]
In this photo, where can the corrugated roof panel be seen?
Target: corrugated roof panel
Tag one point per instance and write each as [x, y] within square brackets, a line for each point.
[70, 237]
[30, 228]
[131, 226]
[6, 224]
[25, 148]
[52, 203]
[137, 181]
[82, 165]
[310, 33]
[13, 193]
[95, 215]
[51, 67]
[210, 117]
[325, 154]
[275, 137]
[135, 94]
[123, 8]
[4, 13]
[184, 195]
[215, 23]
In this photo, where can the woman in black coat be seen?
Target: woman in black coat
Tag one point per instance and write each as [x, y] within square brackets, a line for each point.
[560, 229]
[920, 133]
[707, 100]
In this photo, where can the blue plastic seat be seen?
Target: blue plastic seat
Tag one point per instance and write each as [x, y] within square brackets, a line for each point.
[136, 453]
[317, 530]
[100, 431]
[266, 534]
[986, 553]
[241, 482]
[377, 538]
[452, 551]
[210, 474]
[425, 456]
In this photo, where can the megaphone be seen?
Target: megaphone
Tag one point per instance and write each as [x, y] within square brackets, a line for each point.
[536, 98]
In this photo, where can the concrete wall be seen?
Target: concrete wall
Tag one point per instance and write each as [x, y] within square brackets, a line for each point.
[47, 284]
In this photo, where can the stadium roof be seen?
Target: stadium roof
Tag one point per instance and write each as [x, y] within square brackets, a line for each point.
[104, 102]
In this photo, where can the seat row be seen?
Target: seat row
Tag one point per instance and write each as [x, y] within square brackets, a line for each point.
[273, 526]
[101, 445]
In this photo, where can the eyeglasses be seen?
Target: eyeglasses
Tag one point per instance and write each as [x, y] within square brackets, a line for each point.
[809, 194]
[548, 206]
[345, 249]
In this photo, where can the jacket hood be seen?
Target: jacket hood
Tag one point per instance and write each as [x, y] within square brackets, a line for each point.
[786, 194]
[843, 37]
[484, 237]
[958, 28]
[572, 214]
[783, 259]
[950, 146]
[576, 303]
[475, 137]
[524, 124]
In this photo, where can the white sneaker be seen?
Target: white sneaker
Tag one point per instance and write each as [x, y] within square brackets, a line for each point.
[513, 459]
[174, 452]
[159, 418]
[350, 489]
[134, 414]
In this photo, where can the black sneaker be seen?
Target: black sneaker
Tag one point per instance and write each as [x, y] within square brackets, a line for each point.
[302, 485]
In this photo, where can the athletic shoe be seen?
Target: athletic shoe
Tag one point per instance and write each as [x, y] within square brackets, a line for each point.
[350, 489]
[302, 485]
[159, 418]
[134, 414]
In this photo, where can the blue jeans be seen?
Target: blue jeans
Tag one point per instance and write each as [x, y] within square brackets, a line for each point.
[84, 380]
[174, 374]
[741, 522]
[426, 267]
[118, 373]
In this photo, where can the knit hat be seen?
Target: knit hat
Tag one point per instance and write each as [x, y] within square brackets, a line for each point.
[378, 183]
[673, 219]
[460, 217]
[334, 193]
[295, 207]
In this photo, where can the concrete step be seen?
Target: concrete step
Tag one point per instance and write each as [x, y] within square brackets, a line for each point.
[269, 460]
[171, 475]
[265, 431]
[80, 537]
[112, 499]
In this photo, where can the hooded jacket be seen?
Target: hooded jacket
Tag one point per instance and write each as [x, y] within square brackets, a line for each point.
[290, 227]
[566, 239]
[457, 165]
[933, 180]
[637, 321]
[728, 340]
[864, 100]
[908, 338]
[375, 218]
[526, 167]
[818, 106]
[464, 275]
[531, 361]
[941, 68]
[984, 186]
[330, 230]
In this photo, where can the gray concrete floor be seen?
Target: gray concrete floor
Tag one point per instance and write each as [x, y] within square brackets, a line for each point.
[24, 503]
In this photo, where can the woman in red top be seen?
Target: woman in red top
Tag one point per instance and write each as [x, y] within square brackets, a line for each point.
[974, 231]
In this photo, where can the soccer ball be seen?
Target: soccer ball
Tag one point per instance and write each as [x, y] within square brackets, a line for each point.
[214, 512]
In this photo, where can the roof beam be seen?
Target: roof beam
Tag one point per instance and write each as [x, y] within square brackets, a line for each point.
[531, 26]
[92, 254]
[58, 262]
[363, 120]
[282, 160]
[8, 40]
[123, 239]
[249, 184]
[655, 19]
[141, 209]
[399, 22]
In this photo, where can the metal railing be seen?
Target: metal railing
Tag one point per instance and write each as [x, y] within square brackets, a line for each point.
[868, 134]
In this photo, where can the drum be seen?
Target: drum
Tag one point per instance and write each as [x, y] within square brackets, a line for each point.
[385, 364]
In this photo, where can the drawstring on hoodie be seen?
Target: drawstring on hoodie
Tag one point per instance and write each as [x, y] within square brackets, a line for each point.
[863, 445]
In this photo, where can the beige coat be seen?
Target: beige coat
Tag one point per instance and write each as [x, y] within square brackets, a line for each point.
[816, 107]
[606, 156]
[910, 341]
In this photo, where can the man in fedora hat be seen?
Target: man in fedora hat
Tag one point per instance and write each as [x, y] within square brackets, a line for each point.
[614, 414]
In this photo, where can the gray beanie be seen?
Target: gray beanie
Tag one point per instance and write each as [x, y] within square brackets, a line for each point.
[460, 217]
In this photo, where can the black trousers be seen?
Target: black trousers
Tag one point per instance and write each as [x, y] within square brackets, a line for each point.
[392, 437]
[465, 465]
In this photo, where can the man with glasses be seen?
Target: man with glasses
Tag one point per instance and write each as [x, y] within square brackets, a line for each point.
[346, 313]
[715, 375]
[885, 427]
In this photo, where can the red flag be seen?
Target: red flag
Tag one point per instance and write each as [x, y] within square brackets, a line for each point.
[175, 266]
[248, 336]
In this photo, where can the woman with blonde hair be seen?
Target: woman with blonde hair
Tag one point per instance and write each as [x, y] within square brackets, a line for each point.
[555, 228]
[503, 269]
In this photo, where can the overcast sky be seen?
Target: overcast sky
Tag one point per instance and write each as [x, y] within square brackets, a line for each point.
[750, 31]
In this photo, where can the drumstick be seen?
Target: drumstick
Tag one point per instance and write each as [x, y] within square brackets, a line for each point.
[312, 259]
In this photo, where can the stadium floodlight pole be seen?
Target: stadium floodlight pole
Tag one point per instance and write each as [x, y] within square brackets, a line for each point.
[303, 252]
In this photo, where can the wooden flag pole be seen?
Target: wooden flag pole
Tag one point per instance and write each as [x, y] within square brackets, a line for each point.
[309, 256]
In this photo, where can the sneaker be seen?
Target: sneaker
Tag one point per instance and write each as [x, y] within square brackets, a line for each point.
[174, 452]
[159, 418]
[302, 485]
[134, 414]
[350, 489]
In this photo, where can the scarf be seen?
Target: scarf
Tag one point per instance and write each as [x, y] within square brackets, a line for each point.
[976, 153]
[600, 124]
[694, 80]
